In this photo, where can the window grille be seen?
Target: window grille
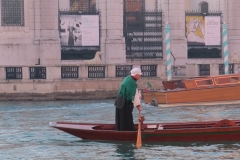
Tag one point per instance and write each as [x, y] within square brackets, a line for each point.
[96, 72]
[123, 71]
[69, 72]
[149, 70]
[204, 69]
[135, 17]
[83, 5]
[12, 13]
[222, 69]
[13, 72]
[37, 72]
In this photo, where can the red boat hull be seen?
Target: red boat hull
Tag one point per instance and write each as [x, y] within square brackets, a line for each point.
[171, 132]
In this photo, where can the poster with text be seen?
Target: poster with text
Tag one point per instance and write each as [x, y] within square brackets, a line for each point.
[212, 30]
[79, 30]
[90, 30]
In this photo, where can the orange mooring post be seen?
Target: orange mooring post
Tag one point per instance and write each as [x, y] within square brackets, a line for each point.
[139, 137]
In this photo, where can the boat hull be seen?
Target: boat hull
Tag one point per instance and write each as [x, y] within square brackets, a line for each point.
[220, 93]
[178, 132]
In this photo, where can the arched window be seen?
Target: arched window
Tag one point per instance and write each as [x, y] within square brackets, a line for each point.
[204, 7]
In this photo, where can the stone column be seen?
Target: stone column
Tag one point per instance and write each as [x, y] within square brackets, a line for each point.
[174, 15]
[177, 25]
[49, 35]
[102, 7]
[114, 43]
[232, 20]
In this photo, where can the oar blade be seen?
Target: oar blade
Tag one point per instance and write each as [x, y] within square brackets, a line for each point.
[139, 137]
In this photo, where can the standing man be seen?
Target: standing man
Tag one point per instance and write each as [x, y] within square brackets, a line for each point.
[128, 97]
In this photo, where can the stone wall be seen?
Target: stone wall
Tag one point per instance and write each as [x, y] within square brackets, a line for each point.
[55, 88]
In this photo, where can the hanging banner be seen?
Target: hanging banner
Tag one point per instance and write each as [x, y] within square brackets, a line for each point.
[90, 30]
[212, 30]
[79, 30]
[195, 30]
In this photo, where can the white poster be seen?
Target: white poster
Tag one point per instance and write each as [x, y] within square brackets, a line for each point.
[90, 30]
[212, 30]
[79, 30]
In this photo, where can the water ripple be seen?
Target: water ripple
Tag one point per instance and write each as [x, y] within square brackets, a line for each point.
[26, 134]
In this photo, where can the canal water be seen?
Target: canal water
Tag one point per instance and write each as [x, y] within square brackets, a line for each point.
[25, 132]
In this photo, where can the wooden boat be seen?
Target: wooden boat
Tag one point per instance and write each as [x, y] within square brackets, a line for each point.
[224, 130]
[198, 89]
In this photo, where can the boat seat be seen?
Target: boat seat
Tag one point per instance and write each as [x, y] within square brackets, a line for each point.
[225, 123]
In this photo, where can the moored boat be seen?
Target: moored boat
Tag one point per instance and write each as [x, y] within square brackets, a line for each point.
[224, 130]
[198, 89]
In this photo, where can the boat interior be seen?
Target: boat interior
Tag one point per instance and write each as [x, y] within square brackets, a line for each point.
[177, 126]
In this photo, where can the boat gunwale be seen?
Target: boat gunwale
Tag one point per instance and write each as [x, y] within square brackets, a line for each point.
[177, 126]
[191, 89]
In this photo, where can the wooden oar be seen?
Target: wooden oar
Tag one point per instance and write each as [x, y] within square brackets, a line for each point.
[139, 137]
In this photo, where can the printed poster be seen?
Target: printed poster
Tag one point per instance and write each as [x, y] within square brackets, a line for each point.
[212, 30]
[79, 30]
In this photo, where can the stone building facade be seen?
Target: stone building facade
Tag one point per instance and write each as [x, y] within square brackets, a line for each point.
[32, 66]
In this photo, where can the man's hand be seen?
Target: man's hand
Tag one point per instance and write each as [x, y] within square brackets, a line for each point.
[139, 107]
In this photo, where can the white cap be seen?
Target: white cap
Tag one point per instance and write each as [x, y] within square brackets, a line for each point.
[135, 71]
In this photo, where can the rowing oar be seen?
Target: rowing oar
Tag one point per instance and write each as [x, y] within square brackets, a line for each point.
[139, 137]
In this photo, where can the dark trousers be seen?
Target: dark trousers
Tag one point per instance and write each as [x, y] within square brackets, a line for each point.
[124, 117]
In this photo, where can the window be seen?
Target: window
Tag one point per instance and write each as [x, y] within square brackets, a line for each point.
[204, 7]
[204, 69]
[96, 72]
[83, 5]
[69, 72]
[222, 69]
[134, 13]
[12, 13]
[205, 82]
[37, 72]
[123, 71]
[149, 70]
[13, 72]
[225, 80]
